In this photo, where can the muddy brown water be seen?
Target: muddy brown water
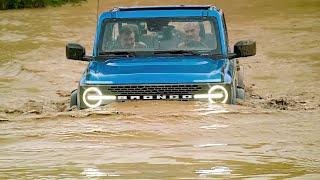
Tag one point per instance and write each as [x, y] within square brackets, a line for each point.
[274, 134]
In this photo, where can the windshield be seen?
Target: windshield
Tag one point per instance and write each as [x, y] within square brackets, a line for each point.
[160, 35]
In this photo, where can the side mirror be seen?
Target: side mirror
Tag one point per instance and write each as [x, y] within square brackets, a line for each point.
[76, 52]
[245, 48]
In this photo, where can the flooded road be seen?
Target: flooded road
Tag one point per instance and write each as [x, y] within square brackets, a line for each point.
[274, 134]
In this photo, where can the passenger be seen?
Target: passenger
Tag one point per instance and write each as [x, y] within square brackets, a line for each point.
[128, 40]
[193, 39]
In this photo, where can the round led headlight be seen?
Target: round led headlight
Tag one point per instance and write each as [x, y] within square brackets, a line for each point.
[88, 100]
[218, 94]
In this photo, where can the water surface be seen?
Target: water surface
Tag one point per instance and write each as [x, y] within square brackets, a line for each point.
[274, 134]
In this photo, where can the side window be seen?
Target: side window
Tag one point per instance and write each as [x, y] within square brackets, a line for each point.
[226, 33]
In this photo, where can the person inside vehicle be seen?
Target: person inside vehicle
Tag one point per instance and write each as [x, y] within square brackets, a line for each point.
[127, 39]
[192, 39]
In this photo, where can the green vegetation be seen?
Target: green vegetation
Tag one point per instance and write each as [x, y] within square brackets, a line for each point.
[17, 4]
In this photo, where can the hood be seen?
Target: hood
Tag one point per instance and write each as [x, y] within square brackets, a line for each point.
[159, 70]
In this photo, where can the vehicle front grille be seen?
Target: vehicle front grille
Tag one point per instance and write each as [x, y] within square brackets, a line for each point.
[155, 89]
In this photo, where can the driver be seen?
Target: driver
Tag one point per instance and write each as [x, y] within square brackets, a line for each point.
[193, 39]
[128, 40]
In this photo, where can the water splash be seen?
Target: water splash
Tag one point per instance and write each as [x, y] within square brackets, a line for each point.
[211, 109]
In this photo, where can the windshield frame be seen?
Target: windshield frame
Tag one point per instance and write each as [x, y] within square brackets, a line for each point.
[213, 22]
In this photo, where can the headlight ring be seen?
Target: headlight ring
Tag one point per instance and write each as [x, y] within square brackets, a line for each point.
[214, 93]
[91, 91]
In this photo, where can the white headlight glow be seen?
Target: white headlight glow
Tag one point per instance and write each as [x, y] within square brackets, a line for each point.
[90, 97]
[218, 94]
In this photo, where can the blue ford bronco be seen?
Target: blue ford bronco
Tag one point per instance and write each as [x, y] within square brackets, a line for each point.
[160, 53]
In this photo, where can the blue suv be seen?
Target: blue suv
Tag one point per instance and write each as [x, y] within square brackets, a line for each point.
[160, 53]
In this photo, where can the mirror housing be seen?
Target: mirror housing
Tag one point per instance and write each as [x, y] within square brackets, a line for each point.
[76, 52]
[245, 48]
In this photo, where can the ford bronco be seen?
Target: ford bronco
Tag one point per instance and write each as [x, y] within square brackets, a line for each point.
[160, 53]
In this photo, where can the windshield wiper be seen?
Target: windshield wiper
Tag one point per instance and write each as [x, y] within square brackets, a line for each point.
[179, 52]
[193, 53]
[218, 56]
[118, 53]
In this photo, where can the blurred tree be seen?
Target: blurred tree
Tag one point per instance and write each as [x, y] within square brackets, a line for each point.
[17, 4]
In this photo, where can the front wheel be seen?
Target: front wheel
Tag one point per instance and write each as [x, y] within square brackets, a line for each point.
[73, 100]
[240, 93]
[234, 93]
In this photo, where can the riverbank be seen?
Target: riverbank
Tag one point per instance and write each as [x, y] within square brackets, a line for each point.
[20, 4]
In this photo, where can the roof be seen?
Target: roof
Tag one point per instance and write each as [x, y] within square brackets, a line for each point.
[176, 7]
[161, 11]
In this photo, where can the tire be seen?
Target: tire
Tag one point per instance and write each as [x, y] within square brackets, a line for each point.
[234, 93]
[245, 48]
[234, 96]
[240, 94]
[73, 100]
[240, 83]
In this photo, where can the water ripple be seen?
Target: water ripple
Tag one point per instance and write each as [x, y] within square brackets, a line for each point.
[219, 170]
[209, 145]
[214, 126]
[92, 172]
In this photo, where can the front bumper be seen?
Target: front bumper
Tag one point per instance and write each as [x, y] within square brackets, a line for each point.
[91, 96]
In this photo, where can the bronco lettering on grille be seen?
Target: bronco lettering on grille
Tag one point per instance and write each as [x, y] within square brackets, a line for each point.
[151, 97]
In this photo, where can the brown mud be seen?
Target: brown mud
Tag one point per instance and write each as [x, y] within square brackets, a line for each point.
[273, 134]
